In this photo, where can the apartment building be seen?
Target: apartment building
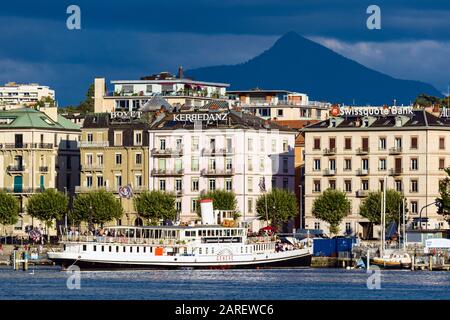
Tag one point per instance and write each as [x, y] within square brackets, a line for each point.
[279, 104]
[355, 153]
[177, 91]
[38, 150]
[114, 152]
[14, 95]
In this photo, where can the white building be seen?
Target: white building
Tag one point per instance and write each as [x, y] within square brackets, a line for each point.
[192, 153]
[13, 95]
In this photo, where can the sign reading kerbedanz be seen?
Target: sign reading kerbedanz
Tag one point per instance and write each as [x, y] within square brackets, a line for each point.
[192, 117]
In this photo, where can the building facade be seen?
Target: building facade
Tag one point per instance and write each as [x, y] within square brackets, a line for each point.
[355, 154]
[13, 95]
[38, 150]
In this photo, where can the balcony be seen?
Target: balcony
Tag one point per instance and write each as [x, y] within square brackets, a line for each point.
[22, 190]
[26, 146]
[93, 144]
[17, 168]
[395, 150]
[84, 189]
[92, 167]
[43, 169]
[362, 151]
[362, 193]
[395, 172]
[329, 151]
[217, 172]
[167, 152]
[329, 172]
[208, 152]
[362, 172]
[167, 172]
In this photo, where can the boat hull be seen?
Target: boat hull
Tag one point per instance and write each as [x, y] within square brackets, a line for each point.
[291, 262]
[387, 264]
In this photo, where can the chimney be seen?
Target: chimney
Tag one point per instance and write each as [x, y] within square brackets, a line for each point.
[51, 112]
[180, 72]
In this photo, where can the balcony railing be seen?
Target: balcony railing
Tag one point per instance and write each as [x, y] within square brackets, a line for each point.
[26, 145]
[17, 168]
[362, 150]
[82, 189]
[396, 150]
[362, 172]
[93, 144]
[217, 152]
[395, 171]
[217, 172]
[22, 190]
[167, 152]
[92, 167]
[167, 172]
[329, 172]
[329, 151]
[362, 193]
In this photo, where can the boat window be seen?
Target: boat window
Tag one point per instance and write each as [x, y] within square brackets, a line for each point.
[151, 249]
[110, 248]
[84, 247]
[212, 250]
[206, 250]
[124, 248]
[242, 249]
[145, 249]
[137, 249]
[95, 248]
[199, 250]
[131, 249]
[117, 248]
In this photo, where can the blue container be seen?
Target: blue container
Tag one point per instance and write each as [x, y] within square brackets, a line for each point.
[325, 247]
[345, 244]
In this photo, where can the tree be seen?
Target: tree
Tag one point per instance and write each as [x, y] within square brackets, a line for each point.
[222, 200]
[155, 205]
[331, 206]
[96, 207]
[278, 205]
[444, 192]
[87, 105]
[423, 100]
[48, 206]
[45, 100]
[9, 209]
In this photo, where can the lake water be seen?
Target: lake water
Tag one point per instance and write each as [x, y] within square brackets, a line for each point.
[275, 284]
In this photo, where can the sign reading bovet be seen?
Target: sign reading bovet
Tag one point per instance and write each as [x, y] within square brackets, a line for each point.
[123, 115]
[192, 117]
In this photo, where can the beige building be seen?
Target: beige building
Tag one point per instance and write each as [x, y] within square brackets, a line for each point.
[14, 95]
[356, 153]
[38, 150]
[115, 153]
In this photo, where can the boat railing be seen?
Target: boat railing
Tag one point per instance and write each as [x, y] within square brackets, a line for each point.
[261, 239]
[119, 240]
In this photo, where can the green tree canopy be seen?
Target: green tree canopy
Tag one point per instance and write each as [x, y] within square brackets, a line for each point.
[9, 209]
[41, 103]
[96, 207]
[370, 207]
[331, 206]
[444, 192]
[222, 200]
[48, 206]
[423, 100]
[281, 206]
[155, 205]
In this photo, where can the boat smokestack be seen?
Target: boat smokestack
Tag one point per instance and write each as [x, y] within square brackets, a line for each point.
[207, 211]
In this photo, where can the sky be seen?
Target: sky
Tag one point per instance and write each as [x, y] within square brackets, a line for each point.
[133, 38]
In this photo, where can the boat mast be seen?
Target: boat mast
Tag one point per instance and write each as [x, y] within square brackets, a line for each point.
[383, 218]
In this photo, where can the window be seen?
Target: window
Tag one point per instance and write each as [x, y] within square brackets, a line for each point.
[316, 165]
[162, 144]
[348, 227]
[250, 144]
[262, 145]
[332, 164]
[414, 164]
[347, 164]
[117, 138]
[261, 164]
[285, 165]
[179, 143]
[398, 143]
[365, 184]
[212, 164]
[118, 180]
[194, 164]
[118, 158]
[382, 143]
[194, 204]
[332, 143]
[88, 181]
[317, 225]
[348, 144]
[381, 183]
[138, 180]
[162, 184]
[285, 146]
[316, 186]
[90, 137]
[178, 184]
[249, 163]
[398, 185]
[382, 164]
[414, 186]
[316, 143]
[194, 184]
[250, 205]
[250, 184]
[348, 185]
[229, 145]
[229, 164]
[365, 164]
[194, 144]
[365, 144]
[212, 184]
[138, 138]
[228, 184]
[285, 183]
[441, 163]
[279, 112]
[274, 145]
[138, 158]
[414, 207]
[414, 142]
[100, 181]
[332, 184]
[89, 159]
[100, 159]
[441, 143]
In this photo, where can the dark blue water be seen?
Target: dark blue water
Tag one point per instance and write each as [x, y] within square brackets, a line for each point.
[303, 284]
